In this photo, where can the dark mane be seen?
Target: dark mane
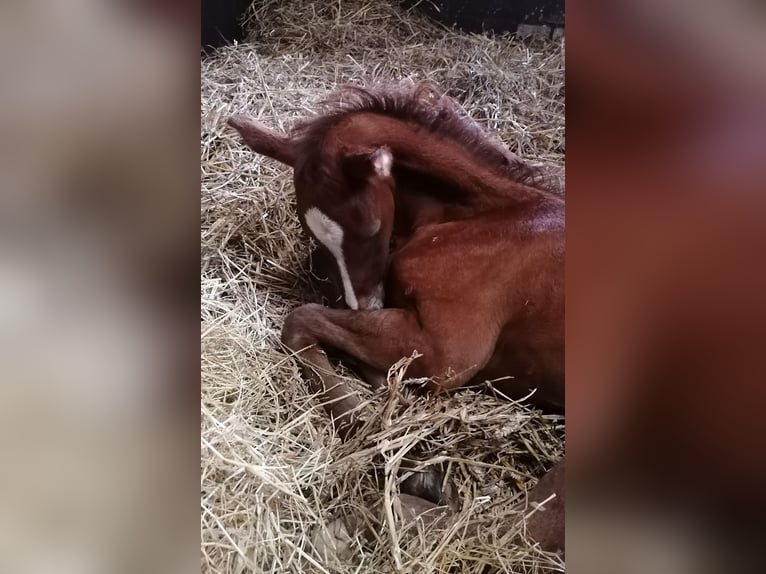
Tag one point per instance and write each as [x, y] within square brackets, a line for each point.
[424, 104]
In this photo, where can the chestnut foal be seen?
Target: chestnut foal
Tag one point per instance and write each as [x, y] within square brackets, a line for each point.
[475, 282]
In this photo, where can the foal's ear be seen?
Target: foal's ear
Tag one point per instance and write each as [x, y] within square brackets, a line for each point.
[359, 165]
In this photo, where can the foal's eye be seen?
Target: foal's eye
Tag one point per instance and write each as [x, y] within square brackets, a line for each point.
[373, 227]
[365, 230]
[365, 225]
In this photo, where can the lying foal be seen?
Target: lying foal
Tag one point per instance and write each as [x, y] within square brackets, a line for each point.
[475, 284]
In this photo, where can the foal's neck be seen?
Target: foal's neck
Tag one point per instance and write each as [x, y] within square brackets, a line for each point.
[480, 177]
[422, 200]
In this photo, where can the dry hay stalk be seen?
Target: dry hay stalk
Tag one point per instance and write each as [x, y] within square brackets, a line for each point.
[272, 472]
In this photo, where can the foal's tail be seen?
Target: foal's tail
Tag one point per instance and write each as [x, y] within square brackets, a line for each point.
[264, 140]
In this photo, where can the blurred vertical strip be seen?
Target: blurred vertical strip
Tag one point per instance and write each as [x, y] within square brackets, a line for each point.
[99, 347]
[666, 285]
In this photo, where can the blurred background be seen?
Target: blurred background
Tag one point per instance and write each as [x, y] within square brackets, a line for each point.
[99, 286]
[665, 309]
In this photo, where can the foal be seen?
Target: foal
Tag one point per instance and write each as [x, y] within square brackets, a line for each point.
[475, 282]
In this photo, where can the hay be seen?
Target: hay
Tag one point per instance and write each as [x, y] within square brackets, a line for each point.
[272, 471]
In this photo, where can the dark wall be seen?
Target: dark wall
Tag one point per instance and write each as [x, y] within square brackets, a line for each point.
[493, 15]
[221, 22]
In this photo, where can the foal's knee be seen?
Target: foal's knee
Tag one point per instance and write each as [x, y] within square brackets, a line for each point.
[297, 332]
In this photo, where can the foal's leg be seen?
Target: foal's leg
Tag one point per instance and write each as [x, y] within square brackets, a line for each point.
[546, 524]
[375, 339]
[379, 338]
[338, 400]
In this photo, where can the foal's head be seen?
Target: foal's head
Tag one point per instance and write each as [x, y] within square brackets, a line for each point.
[353, 225]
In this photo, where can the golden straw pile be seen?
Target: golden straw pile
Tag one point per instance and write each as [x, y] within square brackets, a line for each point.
[274, 478]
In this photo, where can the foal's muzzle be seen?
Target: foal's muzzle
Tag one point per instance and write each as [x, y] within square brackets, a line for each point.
[373, 301]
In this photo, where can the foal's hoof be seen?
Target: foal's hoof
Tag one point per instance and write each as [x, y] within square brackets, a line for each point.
[429, 484]
[416, 510]
[334, 542]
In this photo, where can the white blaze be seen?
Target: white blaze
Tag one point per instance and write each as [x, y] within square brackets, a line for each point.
[330, 234]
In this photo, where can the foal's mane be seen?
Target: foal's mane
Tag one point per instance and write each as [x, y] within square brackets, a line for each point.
[427, 106]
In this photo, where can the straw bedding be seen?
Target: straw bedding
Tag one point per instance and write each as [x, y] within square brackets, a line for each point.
[273, 474]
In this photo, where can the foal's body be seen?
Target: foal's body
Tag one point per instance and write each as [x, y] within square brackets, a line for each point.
[437, 305]
[475, 282]
[522, 337]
